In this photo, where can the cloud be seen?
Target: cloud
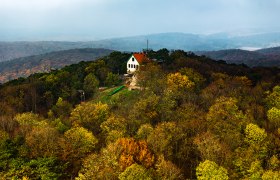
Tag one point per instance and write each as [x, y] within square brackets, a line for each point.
[107, 18]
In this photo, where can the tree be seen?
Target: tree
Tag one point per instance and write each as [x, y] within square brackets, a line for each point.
[90, 115]
[136, 172]
[271, 175]
[180, 82]
[114, 128]
[91, 84]
[112, 79]
[254, 134]
[165, 139]
[61, 109]
[166, 170]
[134, 151]
[78, 143]
[43, 142]
[226, 120]
[273, 99]
[273, 116]
[144, 131]
[210, 170]
[194, 76]
[145, 109]
[210, 147]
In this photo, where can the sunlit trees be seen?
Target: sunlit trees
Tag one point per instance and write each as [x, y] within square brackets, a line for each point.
[116, 158]
[136, 172]
[78, 142]
[226, 120]
[210, 170]
[90, 115]
[254, 134]
[273, 116]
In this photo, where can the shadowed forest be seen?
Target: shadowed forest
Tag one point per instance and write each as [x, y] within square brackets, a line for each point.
[194, 118]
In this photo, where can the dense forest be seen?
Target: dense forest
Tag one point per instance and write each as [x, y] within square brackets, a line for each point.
[192, 118]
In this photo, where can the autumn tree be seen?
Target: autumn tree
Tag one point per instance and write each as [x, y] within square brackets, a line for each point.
[165, 139]
[226, 120]
[210, 170]
[90, 115]
[136, 172]
[114, 128]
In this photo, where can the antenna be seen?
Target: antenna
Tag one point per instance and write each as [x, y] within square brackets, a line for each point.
[147, 45]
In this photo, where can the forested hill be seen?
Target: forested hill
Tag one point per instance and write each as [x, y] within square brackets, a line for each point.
[268, 57]
[192, 118]
[23, 67]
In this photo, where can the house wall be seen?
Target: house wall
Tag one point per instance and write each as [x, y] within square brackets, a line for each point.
[132, 65]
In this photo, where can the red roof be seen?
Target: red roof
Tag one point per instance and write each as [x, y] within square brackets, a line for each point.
[140, 57]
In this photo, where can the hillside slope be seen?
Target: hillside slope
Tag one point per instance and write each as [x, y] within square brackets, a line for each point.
[23, 67]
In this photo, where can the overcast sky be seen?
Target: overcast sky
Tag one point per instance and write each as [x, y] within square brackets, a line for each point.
[99, 19]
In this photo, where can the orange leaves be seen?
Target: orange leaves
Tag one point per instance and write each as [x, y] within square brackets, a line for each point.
[134, 152]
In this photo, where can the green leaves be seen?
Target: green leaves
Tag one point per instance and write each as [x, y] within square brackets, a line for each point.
[254, 134]
[210, 170]
[136, 172]
[90, 115]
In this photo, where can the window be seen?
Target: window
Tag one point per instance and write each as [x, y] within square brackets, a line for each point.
[128, 65]
[136, 66]
[132, 59]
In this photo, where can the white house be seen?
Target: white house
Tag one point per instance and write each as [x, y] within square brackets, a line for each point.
[134, 62]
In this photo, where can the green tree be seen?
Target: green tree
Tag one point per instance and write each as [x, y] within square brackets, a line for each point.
[210, 170]
[112, 79]
[136, 172]
[114, 128]
[78, 143]
[144, 131]
[227, 121]
[91, 84]
[254, 134]
[273, 116]
[90, 115]
[194, 76]
[271, 175]
[273, 99]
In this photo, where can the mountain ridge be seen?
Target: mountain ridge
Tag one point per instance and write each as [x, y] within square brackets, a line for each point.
[264, 57]
[177, 40]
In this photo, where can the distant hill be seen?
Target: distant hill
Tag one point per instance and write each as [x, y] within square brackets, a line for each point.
[23, 67]
[263, 57]
[183, 41]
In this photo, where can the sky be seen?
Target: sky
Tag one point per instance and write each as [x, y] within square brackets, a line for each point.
[79, 20]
